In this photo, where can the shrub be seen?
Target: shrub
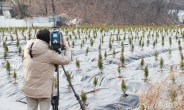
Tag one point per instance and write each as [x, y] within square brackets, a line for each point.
[68, 43]
[122, 49]
[73, 44]
[8, 67]
[5, 54]
[154, 44]
[15, 77]
[148, 42]
[83, 97]
[114, 52]
[11, 38]
[142, 107]
[156, 55]
[179, 42]
[77, 62]
[100, 56]
[102, 39]
[176, 37]
[142, 62]
[6, 39]
[22, 55]
[132, 47]
[75, 37]
[181, 56]
[123, 87]
[119, 70]
[129, 40]
[155, 41]
[169, 51]
[162, 41]
[87, 50]
[68, 77]
[124, 37]
[180, 48]
[105, 54]
[81, 45]
[117, 37]
[146, 72]
[170, 41]
[172, 75]
[6, 47]
[142, 45]
[95, 81]
[122, 59]
[122, 44]
[173, 95]
[20, 50]
[100, 65]
[161, 62]
[140, 42]
[17, 43]
[29, 36]
[182, 64]
[4, 43]
[91, 42]
[99, 47]
[113, 40]
[110, 45]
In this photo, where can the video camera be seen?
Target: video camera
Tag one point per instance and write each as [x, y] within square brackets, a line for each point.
[56, 39]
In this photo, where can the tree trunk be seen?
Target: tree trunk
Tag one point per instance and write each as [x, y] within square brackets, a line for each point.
[85, 10]
[30, 3]
[53, 7]
[46, 12]
[77, 8]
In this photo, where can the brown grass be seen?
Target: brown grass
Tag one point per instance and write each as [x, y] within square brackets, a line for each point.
[165, 95]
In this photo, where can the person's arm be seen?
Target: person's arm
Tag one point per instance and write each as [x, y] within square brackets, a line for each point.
[60, 59]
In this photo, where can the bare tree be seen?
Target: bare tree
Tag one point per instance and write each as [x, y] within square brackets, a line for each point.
[77, 8]
[21, 9]
[85, 10]
[117, 12]
[46, 12]
[53, 7]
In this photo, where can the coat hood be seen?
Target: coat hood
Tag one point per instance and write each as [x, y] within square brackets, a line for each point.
[39, 46]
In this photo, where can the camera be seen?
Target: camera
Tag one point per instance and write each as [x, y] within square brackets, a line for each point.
[56, 39]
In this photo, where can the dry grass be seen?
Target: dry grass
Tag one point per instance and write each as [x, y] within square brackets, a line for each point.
[166, 95]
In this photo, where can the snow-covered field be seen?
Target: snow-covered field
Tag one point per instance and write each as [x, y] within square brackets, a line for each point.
[137, 42]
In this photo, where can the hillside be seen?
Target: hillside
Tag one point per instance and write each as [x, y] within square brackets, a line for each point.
[106, 12]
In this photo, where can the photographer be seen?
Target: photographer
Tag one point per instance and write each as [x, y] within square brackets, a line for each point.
[39, 69]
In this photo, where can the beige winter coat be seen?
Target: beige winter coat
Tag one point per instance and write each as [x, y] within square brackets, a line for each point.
[39, 70]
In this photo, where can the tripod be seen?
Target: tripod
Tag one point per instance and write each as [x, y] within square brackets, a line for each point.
[55, 99]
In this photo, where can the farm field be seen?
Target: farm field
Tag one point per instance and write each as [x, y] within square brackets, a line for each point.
[115, 67]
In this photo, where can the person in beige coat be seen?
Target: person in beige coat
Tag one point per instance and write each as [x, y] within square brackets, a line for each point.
[39, 69]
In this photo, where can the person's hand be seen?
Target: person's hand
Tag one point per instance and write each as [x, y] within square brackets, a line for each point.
[65, 43]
